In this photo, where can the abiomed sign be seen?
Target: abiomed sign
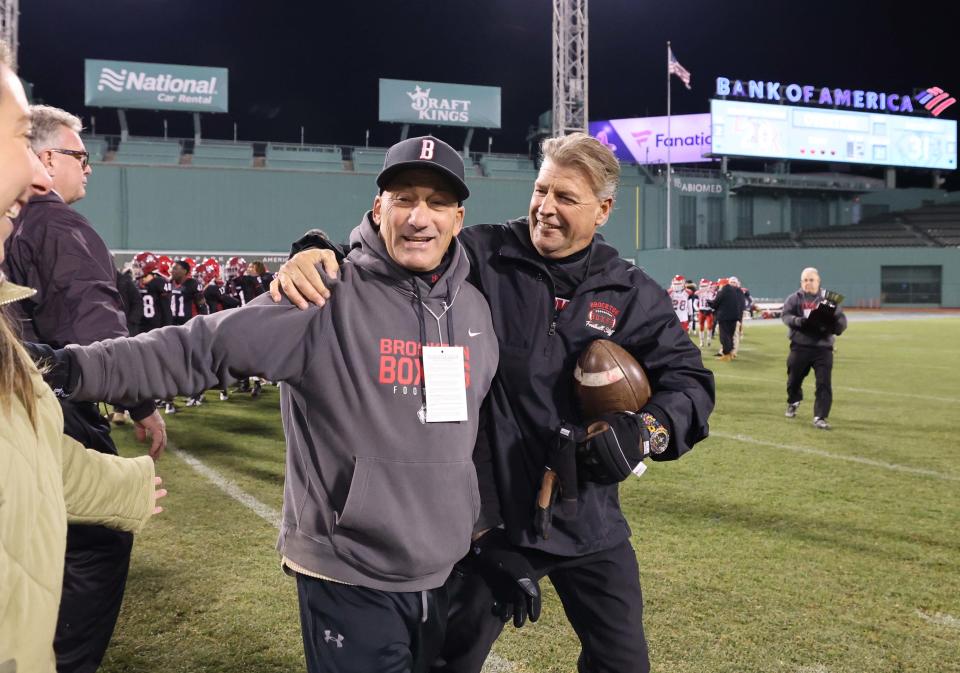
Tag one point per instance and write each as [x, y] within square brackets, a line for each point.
[439, 104]
[155, 86]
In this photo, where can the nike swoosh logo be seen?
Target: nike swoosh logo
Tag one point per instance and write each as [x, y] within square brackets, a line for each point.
[471, 333]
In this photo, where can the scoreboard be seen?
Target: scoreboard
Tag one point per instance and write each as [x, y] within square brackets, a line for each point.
[792, 132]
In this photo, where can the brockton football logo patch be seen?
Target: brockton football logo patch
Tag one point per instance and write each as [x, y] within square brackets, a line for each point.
[603, 317]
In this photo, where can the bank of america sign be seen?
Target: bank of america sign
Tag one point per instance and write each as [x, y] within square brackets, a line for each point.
[155, 86]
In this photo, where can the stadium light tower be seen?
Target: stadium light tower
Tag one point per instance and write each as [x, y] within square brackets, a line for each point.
[9, 17]
[569, 66]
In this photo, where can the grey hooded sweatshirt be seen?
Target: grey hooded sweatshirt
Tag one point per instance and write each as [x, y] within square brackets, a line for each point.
[373, 495]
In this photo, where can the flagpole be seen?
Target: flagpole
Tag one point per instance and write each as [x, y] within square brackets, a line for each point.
[669, 142]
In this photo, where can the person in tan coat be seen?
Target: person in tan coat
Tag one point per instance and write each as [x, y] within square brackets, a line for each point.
[46, 478]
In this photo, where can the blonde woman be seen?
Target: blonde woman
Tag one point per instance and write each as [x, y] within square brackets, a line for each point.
[46, 478]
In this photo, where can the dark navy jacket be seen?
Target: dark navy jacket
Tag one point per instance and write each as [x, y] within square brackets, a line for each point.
[55, 251]
[729, 304]
[533, 390]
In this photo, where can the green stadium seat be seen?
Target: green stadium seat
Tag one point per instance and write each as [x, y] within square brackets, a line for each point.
[161, 152]
[368, 160]
[304, 158]
[97, 147]
[508, 167]
[223, 154]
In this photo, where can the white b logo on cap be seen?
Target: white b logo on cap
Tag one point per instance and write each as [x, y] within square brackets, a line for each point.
[426, 149]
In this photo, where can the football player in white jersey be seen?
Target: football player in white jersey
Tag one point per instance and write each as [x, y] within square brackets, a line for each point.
[680, 298]
[706, 293]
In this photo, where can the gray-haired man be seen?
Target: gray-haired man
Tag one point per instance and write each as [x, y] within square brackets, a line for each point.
[811, 345]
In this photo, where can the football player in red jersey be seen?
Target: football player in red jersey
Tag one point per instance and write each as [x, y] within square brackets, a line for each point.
[705, 295]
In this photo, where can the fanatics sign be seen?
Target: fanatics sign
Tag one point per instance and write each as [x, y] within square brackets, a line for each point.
[646, 140]
[438, 104]
[155, 86]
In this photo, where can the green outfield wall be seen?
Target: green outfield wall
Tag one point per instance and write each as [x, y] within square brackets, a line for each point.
[258, 209]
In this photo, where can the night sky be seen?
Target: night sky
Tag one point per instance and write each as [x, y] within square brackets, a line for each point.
[317, 63]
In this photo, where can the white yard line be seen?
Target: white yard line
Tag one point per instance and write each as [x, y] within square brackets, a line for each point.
[265, 512]
[940, 619]
[870, 391]
[838, 456]
[494, 663]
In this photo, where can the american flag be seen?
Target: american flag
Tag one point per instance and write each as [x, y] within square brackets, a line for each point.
[674, 68]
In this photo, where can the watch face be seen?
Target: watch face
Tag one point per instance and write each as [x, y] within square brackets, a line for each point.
[658, 442]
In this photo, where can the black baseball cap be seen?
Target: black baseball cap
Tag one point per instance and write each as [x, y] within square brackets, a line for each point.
[425, 152]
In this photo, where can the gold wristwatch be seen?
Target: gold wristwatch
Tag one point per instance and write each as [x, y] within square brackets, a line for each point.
[656, 439]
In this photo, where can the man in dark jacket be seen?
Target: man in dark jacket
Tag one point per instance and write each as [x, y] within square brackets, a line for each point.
[55, 251]
[811, 345]
[729, 306]
[554, 287]
[130, 301]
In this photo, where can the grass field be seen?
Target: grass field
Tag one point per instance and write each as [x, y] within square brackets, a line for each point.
[772, 547]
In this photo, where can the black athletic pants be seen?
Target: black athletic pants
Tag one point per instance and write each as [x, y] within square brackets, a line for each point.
[601, 597]
[799, 363]
[351, 629]
[97, 560]
[727, 328]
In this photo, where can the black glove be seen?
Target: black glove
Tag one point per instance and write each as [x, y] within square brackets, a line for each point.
[510, 577]
[611, 454]
[57, 367]
[559, 478]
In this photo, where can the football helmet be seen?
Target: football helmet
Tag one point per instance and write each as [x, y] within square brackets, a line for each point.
[144, 263]
[679, 282]
[209, 271]
[236, 267]
[163, 266]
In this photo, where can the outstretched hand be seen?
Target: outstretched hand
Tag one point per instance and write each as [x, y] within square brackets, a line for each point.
[156, 428]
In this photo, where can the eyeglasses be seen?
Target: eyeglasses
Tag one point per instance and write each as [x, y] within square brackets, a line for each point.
[80, 155]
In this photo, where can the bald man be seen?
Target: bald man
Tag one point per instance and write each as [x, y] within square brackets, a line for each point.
[811, 346]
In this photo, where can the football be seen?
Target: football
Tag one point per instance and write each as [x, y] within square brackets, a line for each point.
[608, 379]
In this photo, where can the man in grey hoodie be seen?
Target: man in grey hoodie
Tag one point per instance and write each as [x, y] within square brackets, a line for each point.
[381, 495]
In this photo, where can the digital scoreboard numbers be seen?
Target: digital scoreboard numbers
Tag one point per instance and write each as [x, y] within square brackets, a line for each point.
[791, 132]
